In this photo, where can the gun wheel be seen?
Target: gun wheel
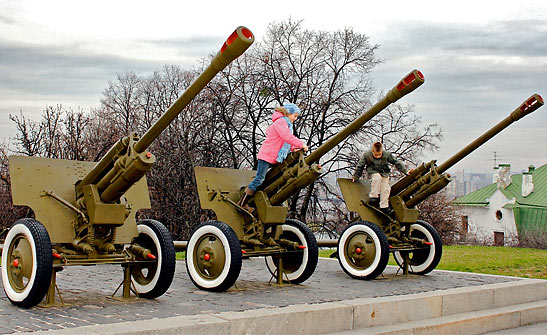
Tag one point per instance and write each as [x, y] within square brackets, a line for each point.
[298, 266]
[152, 279]
[213, 256]
[422, 261]
[363, 250]
[27, 263]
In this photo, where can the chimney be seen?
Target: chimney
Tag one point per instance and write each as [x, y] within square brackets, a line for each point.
[527, 181]
[504, 175]
[495, 175]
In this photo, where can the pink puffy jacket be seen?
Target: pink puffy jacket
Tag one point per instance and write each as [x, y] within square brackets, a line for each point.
[276, 134]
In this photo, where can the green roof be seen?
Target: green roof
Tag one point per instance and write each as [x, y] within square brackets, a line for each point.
[530, 220]
[530, 212]
[476, 198]
[536, 199]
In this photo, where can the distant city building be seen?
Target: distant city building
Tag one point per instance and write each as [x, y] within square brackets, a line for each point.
[464, 183]
[511, 208]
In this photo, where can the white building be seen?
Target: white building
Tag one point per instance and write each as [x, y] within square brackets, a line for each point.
[509, 208]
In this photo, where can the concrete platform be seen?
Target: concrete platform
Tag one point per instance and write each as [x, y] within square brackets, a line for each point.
[328, 302]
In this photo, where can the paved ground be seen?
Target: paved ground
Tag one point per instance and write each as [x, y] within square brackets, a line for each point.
[87, 290]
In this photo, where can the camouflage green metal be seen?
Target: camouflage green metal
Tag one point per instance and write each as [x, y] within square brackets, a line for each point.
[415, 244]
[289, 246]
[86, 211]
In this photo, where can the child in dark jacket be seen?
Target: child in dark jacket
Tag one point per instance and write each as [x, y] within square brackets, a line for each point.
[376, 162]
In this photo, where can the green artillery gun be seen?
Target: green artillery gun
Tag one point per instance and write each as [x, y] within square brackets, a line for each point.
[364, 246]
[216, 248]
[85, 211]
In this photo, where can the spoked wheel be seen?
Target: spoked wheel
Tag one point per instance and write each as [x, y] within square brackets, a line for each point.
[213, 256]
[152, 279]
[298, 266]
[422, 261]
[27, 263]
[363, 250]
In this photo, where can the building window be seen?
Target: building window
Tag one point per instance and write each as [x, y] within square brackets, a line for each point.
[499, 215]
[498, 238]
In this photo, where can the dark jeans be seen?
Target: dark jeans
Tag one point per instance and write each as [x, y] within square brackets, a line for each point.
[263, 167]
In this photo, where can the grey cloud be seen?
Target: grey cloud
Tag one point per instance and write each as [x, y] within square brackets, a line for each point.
[193, 47]
[32, 76]
[475, 76]
[68, 68]
[6, 18]
[8, 11]
[462, 58]
[526, 37]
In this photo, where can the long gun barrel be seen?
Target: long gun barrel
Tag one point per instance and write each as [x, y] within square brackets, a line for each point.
[234, 46]
[126, 162]
[408, 84]
[527, 107]
[419, 184]
[279, 175]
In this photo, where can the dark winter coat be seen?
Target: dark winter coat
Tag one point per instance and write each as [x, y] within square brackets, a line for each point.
[377, 165]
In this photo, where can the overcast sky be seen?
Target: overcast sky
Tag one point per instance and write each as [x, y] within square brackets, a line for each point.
[481, 59]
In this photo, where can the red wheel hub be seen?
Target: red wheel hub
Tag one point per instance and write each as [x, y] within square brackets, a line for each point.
[16, 263]
[358, 250]
[207, 257]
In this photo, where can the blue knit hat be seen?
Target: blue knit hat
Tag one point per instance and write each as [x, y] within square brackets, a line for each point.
[292, 108]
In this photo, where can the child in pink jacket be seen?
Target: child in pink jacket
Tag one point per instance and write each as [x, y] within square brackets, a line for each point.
[278, 143]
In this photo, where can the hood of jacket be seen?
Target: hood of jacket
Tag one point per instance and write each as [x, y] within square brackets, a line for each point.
[276, 115]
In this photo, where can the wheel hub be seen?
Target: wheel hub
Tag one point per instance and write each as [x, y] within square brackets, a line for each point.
[210, 257]
[360, 250]
[19, 270]
[207, 257]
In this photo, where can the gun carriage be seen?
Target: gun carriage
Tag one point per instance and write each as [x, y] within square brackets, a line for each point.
[85, 211]
[364, 246]
[216, 248]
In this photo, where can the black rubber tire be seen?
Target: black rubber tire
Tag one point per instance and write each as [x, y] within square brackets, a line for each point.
[422, 262]
[154, 236]
[230, 256]
[376, 242]
[298, 267]
[35, 289]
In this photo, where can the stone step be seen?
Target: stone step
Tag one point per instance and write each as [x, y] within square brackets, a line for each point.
[470, 323]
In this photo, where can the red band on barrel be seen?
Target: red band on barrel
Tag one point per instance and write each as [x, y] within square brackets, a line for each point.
[247, 33]
[410, 78]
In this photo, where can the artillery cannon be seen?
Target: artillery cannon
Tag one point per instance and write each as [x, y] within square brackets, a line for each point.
[216, 248]
[85, 211]
[364, 246]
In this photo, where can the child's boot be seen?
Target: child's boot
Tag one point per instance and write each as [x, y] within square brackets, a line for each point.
[245, 199]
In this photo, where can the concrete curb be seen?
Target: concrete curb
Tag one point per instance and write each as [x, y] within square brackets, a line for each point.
[457, 303]
[478, 322]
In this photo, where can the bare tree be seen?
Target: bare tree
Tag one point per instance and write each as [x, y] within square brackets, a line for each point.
[29, 136]
[8, 212]
[121, 101]
[325, 73]
[441, 214]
